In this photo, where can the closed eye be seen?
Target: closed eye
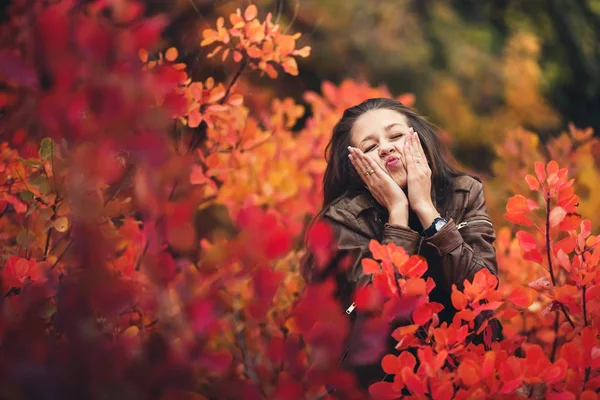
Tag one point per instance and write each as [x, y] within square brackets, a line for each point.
[370, 148]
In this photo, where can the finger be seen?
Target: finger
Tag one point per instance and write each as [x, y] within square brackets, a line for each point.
[361, 161]
[414, 145]
[354, 162]
[371, 165]
[419, 146]
[408, 154]
[359, 165]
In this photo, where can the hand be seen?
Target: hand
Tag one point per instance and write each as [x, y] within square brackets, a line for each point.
[387, 192]
[418, 179]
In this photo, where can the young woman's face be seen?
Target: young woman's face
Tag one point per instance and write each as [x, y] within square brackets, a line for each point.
[380, 134]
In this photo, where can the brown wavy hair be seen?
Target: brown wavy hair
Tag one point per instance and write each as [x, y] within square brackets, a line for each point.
[342, 179]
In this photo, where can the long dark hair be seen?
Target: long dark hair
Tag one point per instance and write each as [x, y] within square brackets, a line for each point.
[341, 177]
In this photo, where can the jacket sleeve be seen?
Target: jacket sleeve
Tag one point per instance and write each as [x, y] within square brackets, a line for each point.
[464, 252]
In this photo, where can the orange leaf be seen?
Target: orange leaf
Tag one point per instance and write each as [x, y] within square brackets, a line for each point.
[370, 266]
[402, 331]
[290, 66]
[533, 183]
[414, 287]
[378, 251]
[251, 12]
[171, 54]
[459, 300]
[468, 372]
[489, 362]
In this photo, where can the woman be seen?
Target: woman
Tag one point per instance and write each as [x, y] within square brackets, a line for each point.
[387, 179]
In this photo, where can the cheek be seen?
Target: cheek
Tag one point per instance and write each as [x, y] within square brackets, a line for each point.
[373, 156]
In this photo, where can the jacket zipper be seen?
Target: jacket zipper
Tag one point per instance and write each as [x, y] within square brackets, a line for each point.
[465, 223]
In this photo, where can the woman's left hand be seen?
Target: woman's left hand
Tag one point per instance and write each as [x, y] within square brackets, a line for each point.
[418, 174]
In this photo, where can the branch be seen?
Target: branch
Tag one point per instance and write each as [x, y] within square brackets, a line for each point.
[249, 366]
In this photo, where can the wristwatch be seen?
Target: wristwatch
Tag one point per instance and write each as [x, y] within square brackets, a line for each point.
[435, 226]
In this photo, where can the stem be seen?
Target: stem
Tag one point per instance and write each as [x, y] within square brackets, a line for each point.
[61, 256]
[548, 251]
[555, 342]
[549, 255]
[47, 246]
[237, 75]
[139, 261]
[585, 321]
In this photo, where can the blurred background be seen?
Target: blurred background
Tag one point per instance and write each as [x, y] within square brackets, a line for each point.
[476, 68]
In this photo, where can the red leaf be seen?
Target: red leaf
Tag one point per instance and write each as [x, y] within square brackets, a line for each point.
[534, 255]
[557, 215]
[567, 245]
[390, 364]
[540, 171]
[592, 292]
[570, 222]
[414, 384]
[521, 297]
[384, 391]
[526, 241]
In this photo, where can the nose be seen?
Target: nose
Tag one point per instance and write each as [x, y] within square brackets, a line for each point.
[385, 149]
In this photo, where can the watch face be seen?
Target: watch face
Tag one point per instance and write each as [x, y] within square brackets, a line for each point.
[440, 224]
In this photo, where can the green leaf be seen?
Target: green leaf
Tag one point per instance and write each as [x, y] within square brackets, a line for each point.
[42, 183]
[25, 238]
[32, 162]
[46, 148]
[26, 196]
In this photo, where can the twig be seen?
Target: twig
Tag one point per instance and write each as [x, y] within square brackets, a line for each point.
[549, 255]
[61, 256]
[138, 264]
[585, 321]
[555, 342]
[47, 246]
[237, 75]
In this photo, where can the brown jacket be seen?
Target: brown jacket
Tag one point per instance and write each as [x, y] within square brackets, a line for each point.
[455, 253]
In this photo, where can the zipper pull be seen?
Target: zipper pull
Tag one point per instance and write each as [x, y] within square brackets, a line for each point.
[461, 225]
[351, 308]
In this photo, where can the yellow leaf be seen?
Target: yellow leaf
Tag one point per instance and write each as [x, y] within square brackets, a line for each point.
[61, 224]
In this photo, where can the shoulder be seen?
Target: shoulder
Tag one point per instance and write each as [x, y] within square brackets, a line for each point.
[350, 205]
[467, 183]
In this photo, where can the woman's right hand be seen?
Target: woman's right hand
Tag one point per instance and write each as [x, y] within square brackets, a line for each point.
[385, 190]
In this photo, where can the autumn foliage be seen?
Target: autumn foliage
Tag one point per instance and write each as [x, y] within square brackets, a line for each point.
[152, 227]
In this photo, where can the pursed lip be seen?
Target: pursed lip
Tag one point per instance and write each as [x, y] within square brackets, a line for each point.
[391, 160]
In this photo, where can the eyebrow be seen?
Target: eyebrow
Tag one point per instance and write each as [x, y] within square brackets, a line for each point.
[387, 128]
